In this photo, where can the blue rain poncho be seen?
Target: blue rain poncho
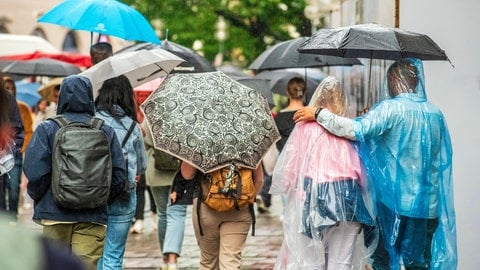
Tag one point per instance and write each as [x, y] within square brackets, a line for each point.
[405, 145]
[328, 215]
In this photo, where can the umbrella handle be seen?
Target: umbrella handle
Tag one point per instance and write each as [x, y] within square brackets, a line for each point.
[367, 103]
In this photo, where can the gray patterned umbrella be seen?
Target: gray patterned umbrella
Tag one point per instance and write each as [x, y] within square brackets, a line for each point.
[210, 120]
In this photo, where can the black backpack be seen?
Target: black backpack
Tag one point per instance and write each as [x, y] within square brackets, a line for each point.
[165, 161]
[81, 164]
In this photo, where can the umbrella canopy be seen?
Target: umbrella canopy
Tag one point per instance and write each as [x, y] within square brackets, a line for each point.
[78, 59]
[106, 17]
[279, 78]
[194, 62]
[27, 92]
[42, 67]
[372, 41]
[139, 66]
[210, 120]
[259, 84]
[232, 70]
[11, 44]
[285, 55]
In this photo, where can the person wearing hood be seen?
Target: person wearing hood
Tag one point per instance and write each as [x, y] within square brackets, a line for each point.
[406, 147]
[82, 230]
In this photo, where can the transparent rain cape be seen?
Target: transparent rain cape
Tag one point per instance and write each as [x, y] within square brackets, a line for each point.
[410, 165]
[325, 185]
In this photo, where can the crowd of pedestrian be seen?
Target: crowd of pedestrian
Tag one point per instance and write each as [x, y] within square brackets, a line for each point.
[375, 190]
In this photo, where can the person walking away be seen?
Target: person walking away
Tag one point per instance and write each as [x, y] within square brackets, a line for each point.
[40, 112]
[10, 182]
[328, 205]
[171, 218]
[100, 51]
[82, 230]
[26, 115]
[221, 236]
[142, 187]
[51, 109]
[406, 147]
[116, 106]
[284, 120]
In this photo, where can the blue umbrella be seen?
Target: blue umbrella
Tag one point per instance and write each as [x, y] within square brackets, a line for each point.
[27, 92]
[106, 17]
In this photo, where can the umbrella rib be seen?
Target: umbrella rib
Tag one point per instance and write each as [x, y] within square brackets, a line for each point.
[151, 74]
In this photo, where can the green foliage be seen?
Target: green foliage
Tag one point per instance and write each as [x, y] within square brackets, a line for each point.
[252, 25]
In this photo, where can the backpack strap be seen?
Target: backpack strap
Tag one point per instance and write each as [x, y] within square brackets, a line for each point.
[237, 193]
[199, 202]
[130, 130]
[96, 122]
[60, 120]
[254, 219]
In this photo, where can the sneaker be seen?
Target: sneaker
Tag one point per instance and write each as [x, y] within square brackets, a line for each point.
[154, 220]
[261, 205]
[172, 266]
[137, 226]
[164, 266]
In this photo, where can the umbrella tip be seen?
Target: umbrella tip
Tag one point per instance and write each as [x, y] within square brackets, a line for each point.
[166, 34]
[450, 62]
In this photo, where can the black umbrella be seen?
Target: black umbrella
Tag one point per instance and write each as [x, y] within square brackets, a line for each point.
[279, 78]
[259, 84]
[372, 41]
[42, 67]
[285, 55]
[194, 62]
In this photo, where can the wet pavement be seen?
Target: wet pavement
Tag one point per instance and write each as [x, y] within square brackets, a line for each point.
[143, 250]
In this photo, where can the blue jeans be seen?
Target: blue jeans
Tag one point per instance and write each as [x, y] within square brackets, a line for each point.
[10, 183]
[120, 216]
[171, 221]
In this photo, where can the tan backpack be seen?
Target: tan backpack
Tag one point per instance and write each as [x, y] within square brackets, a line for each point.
[228, 188]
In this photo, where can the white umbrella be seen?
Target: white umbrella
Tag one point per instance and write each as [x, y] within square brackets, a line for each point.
[138, 66]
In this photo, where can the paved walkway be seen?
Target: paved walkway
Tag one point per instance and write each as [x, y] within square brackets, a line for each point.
[143, 251]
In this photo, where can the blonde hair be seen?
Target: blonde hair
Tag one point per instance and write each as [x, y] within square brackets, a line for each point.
[330, 94]
[296, 88]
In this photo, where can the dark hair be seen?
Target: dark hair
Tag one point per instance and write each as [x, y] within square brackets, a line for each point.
[4, 105]
[296, 88]
[117, 91]
[6, 80]
[100, 51]
[6, 131]
[402, 77]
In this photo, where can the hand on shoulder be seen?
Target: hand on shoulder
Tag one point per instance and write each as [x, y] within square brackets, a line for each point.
[305, 114]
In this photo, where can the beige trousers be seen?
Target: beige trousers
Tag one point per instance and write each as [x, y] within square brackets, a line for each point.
[224, 236]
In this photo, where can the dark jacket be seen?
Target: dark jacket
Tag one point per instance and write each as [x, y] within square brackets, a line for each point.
[76, 104]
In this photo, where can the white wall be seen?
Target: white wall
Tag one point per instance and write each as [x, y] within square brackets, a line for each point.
[454, 26]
